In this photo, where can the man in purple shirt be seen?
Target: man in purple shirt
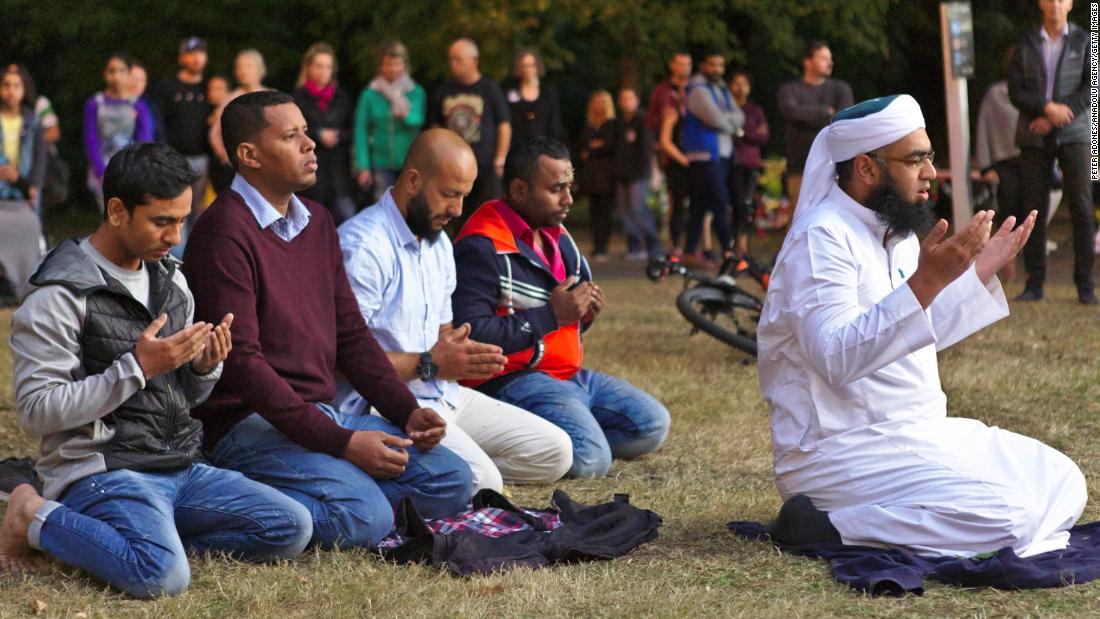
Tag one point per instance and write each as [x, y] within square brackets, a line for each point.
[275, 258]
[1050, 84]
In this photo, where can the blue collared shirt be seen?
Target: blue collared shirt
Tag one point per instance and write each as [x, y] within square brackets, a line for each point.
[403, 285]
[1052, 51]
[286, 228]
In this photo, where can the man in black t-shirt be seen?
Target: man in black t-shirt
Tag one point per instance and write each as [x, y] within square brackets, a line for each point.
[183, 106]
[474, 107]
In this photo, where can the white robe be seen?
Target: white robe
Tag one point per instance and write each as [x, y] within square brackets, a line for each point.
[859, 421]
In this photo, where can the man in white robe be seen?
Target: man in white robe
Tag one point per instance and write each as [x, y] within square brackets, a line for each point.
[856, 311]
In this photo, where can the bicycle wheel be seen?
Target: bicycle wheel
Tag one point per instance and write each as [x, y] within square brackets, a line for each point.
[730, 317]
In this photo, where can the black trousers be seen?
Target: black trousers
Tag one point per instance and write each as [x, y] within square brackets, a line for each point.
[1010, 200]
[1036, 170]
[601, 209]
[709, 192]
[742, 187]
[679, 190]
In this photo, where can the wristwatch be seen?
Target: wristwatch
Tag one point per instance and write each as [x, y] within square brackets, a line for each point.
[426, 369]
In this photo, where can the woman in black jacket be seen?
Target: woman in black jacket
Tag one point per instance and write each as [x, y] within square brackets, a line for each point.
[597, 178]
[328, 111]
[533, 102]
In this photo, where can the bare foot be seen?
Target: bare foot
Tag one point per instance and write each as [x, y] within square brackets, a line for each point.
[16, 554]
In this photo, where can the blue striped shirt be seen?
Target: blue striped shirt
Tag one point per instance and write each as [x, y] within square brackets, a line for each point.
[286, 228]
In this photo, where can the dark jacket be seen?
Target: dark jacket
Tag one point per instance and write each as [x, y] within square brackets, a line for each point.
[633, 149]
[503, 291]
[746, 148]
[1027, 86]
[597, 151]
[333, 164]
[153, 428]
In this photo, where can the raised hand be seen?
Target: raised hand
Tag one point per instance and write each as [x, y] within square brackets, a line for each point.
[426, 428]
[218, 344]
[942, 261]
[1003, 246]
[158, 355]
[460, 358]
[380, 455]
[570, 305]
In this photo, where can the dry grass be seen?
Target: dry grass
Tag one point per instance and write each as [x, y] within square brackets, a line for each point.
[1036, 372]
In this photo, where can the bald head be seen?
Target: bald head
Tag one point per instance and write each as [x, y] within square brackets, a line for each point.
[439, 172]
[439, 150]
[462, 57]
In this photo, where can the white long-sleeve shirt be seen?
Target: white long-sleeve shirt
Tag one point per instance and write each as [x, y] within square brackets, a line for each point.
[845, 348]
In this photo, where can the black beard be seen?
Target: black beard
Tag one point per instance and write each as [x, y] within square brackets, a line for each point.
[419, 218]
[900, 216]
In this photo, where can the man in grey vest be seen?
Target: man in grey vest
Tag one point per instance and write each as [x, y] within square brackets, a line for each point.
[1049, 83]
[107, 365]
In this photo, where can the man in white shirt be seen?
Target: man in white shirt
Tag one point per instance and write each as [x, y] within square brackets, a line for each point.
[402, 272]
[864, 452]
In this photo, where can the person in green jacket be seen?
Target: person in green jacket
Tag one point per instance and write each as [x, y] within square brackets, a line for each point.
[389, 115]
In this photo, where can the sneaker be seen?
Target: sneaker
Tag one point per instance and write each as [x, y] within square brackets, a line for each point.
[637, 256]
[16, 471]
[1086, 297]
[600, 257]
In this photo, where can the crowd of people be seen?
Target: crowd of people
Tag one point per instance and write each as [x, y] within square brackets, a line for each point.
[309, 366]
[362, 143]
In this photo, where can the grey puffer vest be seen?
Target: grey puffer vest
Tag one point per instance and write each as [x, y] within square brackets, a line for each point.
[154, 429]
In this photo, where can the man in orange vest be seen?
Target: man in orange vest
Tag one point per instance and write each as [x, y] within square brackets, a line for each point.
[523, 285]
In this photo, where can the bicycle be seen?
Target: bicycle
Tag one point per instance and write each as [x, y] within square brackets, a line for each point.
[716, 305]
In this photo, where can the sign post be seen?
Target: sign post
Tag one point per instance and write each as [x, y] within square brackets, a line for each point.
[957, 33]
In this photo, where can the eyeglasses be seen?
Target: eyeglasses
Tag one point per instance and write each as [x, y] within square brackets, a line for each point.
[914, 162]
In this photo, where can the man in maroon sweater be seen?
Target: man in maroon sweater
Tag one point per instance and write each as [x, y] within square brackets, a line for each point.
[275, 260]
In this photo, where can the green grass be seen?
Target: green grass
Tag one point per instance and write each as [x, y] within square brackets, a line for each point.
[1036, 373]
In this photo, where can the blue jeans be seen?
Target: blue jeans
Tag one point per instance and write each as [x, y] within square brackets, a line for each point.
[604, 416]
[641, 232]
[349, 507]
[132, 529]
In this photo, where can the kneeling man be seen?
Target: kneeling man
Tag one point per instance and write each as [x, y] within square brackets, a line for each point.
[524, 286]
[107, 365]
[274, 260]
[864, 452]
[402, 272]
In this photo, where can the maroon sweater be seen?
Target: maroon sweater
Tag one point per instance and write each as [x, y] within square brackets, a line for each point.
[295, 322]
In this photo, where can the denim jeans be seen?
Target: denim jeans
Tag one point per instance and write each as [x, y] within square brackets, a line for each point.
[349, 507]
[641, 232]
[604, 416]
[132, 529]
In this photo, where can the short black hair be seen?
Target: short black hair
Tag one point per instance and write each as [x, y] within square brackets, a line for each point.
[121, 56]
[707, 51]
[811, 48]
[741, 71]
[523, 158]
[243, 118]
[141, 172]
